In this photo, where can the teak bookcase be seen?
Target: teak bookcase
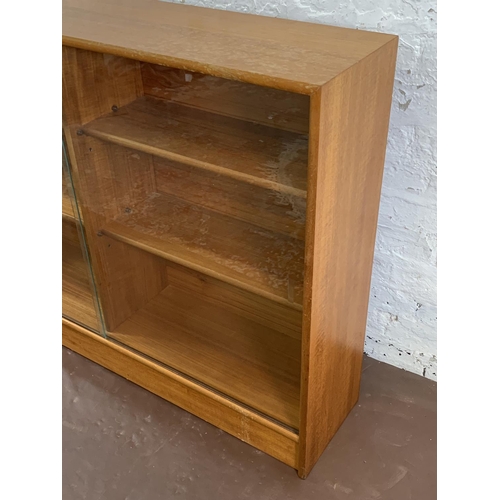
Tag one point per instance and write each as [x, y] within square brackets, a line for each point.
[225, 175]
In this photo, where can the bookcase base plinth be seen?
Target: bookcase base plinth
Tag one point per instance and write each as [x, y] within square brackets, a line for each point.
[248, 426]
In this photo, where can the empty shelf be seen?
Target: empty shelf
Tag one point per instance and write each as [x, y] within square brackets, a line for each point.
[254, 153]
[236, 252]
[243, 359]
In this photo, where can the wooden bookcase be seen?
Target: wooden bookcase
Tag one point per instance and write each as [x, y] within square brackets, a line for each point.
[227, 171]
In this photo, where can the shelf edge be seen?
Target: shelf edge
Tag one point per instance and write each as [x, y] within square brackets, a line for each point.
[201, 269]
[162, 153]
[69, 217]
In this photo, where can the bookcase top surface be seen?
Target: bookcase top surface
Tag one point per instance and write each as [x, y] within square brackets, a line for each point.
[289, 55]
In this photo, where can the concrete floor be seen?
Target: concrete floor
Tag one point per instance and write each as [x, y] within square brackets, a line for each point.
[121, 442]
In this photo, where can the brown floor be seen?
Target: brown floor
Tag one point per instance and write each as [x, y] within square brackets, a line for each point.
[121, 442]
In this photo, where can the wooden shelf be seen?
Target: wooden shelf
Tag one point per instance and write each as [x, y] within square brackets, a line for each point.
[236, 252]
[208, 341]
[77, 299]
[250, 152]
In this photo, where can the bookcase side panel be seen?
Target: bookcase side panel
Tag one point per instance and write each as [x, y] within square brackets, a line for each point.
[348, 132]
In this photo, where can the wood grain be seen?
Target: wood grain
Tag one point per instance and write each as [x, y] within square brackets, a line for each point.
[212, 343]
[288, 55]
[196, 261]
[126, 277]
[248, 305]
[267, 106]
[225, 248]
[349, 123]
[238, 421]
[93, 83]
[253, 153]
[106, 179]
[266, 208]
[77, 296]
[67, 206]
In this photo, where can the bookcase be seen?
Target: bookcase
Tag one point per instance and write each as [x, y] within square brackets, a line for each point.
[225, 170]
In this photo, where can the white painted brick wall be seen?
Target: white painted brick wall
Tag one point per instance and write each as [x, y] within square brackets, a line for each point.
[402, 316]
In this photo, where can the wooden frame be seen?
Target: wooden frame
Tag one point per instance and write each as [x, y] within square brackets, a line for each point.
[271, 353]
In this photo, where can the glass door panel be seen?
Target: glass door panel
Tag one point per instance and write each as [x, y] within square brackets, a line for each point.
[79, 299]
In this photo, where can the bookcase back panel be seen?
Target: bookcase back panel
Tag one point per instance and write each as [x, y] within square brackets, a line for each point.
[283, 213]
[272, 107]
